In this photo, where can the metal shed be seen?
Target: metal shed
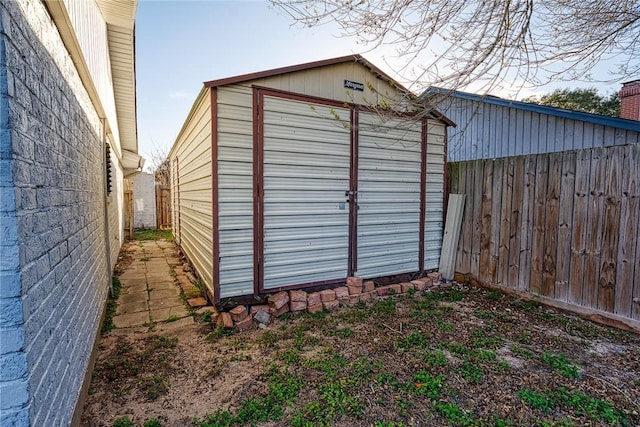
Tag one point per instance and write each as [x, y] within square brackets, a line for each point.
[319, 172]
[490, 127]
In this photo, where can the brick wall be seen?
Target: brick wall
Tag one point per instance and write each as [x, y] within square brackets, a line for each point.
[14, 395]
[630, 100]
[144, 201]
[54, 278]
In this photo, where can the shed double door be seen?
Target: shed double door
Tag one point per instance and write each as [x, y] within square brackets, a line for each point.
[338, 193]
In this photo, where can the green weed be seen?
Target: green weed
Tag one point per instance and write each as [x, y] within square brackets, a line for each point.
[218, 333]
[108, 324]
[283, 390]
[171, 318]
[537, 401]
[154, 422]
[122, 422]
[414, 340]
[561, 364]
[471, 372]
[494, 295]
[153, 386]
[424, 384]
[453, 413]
[384, 308]
[523, 352]
[595, 409]
[435, 358]
[268, 339]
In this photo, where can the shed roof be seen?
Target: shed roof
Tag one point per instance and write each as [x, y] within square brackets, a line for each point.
[355, 58]
[306, 66]
[597, 119]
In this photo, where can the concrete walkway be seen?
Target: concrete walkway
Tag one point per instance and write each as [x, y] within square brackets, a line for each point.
[150, 292]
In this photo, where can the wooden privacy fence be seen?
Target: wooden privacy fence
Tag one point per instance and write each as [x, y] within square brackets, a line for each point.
[561, 225]
[128, 209]
[163, 206]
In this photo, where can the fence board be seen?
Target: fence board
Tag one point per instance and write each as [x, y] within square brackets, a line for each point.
[505, 222]
[565, 221]
[515, 224]
[537, 238]
[551, 224]
[163, 206]
[463, 259]
[496, 205]
[477, 216]
[579, 226]
[526, 230]
[610, 230]
[561, 225]
[629, 230]
[485, 227]
[594, 228]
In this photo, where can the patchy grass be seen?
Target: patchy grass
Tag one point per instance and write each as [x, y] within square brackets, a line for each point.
[143, 366]
[152, 234]
[112, 305]
[456, 357]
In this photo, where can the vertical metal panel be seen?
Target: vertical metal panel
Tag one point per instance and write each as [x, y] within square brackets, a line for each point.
[497, 131]
[306, 152]
[435, 192]
[193, 150]
[235, 190]
[175, 199]
[388, 195]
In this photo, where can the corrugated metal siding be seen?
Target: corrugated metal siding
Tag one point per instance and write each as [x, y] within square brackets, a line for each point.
[235, 189]
[486, 131]
[306, 173]
[193, 150]
[435, 194]
[389, 165]
[175, 199]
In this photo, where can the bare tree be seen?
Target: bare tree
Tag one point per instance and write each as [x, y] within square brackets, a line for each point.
[160, 166]
[454, 43]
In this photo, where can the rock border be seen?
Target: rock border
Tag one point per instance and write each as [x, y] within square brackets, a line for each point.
[354, 291]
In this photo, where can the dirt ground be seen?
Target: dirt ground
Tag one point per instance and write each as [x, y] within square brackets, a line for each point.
[457, 356]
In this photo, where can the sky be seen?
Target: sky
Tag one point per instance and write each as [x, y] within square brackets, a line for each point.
[181, 44]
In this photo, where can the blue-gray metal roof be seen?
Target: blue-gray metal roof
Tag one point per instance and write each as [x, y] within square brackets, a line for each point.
[597, 119]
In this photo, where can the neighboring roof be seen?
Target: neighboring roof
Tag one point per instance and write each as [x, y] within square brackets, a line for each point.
[615, 122]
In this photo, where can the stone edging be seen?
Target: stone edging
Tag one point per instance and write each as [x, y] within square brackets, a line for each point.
[351, 293]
